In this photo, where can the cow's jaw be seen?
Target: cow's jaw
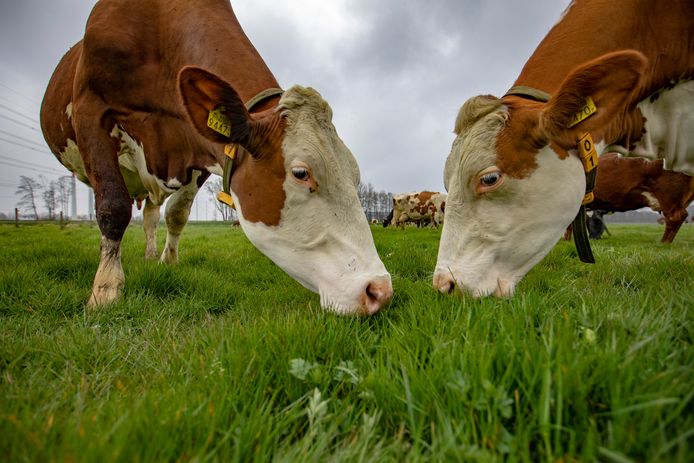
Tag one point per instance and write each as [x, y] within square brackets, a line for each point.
[489, 242]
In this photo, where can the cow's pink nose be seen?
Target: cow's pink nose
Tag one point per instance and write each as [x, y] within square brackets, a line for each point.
[444, 282]
[377, 294]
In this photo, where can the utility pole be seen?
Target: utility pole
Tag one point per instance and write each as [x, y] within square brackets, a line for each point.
[74, 197]
[91, 204]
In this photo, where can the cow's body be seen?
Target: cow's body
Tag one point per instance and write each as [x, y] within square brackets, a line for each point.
[127, 110]
[626, 184]
[517, 154]
[421, 208]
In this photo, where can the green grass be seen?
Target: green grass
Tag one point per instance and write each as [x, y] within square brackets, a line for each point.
[225, 358]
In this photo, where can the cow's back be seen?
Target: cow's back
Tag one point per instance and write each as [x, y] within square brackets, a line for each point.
[56, 109]
[125, 72]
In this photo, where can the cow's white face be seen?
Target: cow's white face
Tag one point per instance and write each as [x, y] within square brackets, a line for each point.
[323, 239]
[497, 226]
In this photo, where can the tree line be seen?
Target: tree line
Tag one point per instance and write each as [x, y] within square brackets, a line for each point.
[376, 204]
[46, 199]
[43, 198]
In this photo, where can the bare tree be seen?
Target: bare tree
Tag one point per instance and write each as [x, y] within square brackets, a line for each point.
[28, 190]
[64, 192]
[214, 186]
[376, 204]
[50, 198]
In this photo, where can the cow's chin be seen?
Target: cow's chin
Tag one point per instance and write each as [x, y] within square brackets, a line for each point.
[350, 280]
[359, 293]
[484, 269]
[495, 280]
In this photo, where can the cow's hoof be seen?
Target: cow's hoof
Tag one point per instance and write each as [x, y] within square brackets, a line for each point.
[169, 257]
[103, 296]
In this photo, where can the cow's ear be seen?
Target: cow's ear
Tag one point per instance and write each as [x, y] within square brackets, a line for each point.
[213, 106]
[610, 81]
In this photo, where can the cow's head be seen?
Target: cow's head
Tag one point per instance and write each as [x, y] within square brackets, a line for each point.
[295, 190]
[514, 180]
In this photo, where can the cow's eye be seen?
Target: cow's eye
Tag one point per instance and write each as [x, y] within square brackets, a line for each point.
[300, 173]
[490, 179]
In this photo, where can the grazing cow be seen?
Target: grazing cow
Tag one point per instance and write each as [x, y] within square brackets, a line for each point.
[625, 184]
[619, 72]
[596, 225]
[421, 208]
[147, 105]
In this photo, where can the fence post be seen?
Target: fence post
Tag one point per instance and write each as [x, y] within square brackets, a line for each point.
[62, 223]
[16, 217]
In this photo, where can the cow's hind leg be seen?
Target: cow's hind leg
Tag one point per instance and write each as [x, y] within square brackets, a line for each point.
[150, 220]
[113, 203]
[177, 212]
[673, 222]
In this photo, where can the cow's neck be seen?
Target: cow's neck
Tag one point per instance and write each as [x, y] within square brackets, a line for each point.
[591, 28]
[257, 181]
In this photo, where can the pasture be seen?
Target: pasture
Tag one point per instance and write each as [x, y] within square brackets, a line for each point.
[226, 358]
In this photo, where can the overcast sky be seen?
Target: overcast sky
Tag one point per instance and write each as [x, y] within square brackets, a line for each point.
[394, 71]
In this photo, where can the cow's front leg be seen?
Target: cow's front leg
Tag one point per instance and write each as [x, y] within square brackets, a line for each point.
[177, 212]
[150, 220]
[99, 152]
[109, 279]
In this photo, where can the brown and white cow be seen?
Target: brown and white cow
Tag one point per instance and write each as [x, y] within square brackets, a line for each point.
[130, 110]
[625, 184]
[516, 155]
[421, 208]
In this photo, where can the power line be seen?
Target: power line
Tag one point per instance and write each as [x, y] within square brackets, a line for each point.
[7, 108]
[26, 165]
[33, 169]
[24, 146]
[17, 105]
[22, 138]
[19, 123]
[30, 100]
[29, 163]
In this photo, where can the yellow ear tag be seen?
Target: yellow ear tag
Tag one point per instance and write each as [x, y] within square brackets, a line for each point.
[586, 111]
[588, 198]
[587, 152]
[219, 122]
[226, 198]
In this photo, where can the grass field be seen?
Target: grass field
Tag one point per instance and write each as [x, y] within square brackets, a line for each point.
[225, 358]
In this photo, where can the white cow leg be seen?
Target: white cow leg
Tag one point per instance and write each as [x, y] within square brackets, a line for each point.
[150, 221]
[109, 279]
[177, 212]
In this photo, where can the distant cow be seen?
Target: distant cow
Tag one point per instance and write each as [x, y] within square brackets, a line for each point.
[421, 208]
[625, 184]
[595, 223]
[159, 95]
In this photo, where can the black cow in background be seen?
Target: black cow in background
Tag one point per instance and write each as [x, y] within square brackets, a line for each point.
[596, 225]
